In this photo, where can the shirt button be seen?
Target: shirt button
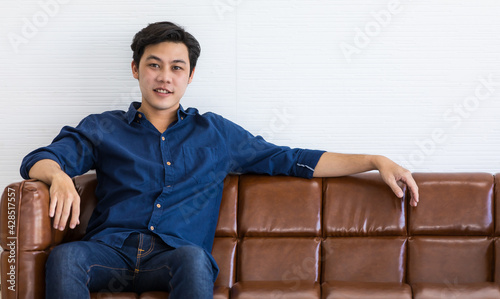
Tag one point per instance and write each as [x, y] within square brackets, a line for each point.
[168, 163]
[140, 115]
[163, 138]
[158, 206]
[152, 227]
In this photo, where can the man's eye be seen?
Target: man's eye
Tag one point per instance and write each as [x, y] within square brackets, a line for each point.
[154, 65]
[177, 68]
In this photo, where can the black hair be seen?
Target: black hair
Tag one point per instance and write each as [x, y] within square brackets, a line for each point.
[156, 33]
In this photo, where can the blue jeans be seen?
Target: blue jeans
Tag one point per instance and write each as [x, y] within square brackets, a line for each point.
[144, 263]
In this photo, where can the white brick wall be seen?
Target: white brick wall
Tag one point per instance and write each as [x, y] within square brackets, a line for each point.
[418, 81]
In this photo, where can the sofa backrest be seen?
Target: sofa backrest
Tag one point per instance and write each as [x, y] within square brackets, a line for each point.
[347, 229]
[452, 232]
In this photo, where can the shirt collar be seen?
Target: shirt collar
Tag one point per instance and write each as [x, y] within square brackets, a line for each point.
[181, 113]
[188, 111]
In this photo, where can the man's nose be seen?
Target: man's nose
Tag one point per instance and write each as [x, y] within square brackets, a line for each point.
[165, 76]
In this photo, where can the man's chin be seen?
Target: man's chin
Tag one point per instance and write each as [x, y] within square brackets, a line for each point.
[159, 106]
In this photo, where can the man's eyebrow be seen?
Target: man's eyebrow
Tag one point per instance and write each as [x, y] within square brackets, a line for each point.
[178, 61]
[153, 57]
[159, 59]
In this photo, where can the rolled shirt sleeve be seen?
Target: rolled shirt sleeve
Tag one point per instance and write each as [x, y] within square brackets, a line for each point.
[72, 149]
[252, 154]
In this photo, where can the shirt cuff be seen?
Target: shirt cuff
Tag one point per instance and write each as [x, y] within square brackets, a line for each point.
[31, 160]
[306, 163]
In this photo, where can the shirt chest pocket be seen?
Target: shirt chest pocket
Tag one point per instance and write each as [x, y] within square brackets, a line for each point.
[200, 163]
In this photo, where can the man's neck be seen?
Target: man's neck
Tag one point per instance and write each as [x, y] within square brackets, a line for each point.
[160, 119]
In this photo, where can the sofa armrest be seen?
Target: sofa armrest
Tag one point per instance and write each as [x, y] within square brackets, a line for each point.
[25, 217]
[26, 235]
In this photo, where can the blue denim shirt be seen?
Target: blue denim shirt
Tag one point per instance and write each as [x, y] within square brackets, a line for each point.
[169, 184]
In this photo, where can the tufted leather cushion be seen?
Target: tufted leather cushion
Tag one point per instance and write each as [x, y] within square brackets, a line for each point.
[285, 237]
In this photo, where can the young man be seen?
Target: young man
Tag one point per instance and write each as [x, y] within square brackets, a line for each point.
[160, 171]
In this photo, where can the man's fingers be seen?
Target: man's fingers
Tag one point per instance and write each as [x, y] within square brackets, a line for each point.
[64, 215]
[75, 214]
[64, 202]
[410, 182]
[392, 173]
[395, 188]
[58, 213]
[61, 208]
[52, 205]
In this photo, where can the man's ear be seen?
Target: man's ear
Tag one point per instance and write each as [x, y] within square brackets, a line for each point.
[191, 76]
[135, 70]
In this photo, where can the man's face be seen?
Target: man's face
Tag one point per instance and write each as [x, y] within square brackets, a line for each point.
[163, 75]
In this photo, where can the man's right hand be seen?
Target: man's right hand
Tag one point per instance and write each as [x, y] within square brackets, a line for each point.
[64, 200]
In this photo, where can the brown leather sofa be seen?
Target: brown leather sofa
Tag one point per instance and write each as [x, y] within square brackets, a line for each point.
[285, 237]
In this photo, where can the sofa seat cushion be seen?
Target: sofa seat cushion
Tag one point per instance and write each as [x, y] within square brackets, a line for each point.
[481, 290]
[276, 289]
[220, 292]
[368, 290]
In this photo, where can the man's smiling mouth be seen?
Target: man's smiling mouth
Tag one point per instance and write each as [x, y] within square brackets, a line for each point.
[161, 90]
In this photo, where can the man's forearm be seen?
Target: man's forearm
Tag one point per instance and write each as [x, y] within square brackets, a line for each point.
[64, 200]
[334, 164]
[45, 170]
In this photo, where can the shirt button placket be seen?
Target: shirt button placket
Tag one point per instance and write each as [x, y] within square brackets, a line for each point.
[168, 163]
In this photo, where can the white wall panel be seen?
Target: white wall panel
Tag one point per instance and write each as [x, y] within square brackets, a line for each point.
[418, 81]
